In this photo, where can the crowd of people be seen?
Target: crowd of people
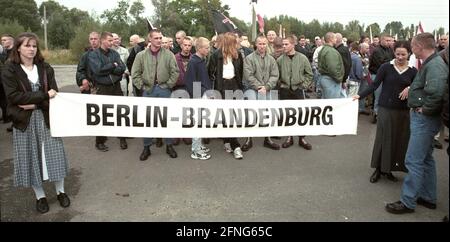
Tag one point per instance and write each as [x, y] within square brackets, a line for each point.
[405, 101]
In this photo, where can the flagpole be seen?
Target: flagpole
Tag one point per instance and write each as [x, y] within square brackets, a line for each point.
[371, 37]
[253, 21]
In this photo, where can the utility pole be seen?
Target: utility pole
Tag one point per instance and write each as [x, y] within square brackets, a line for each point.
[45, 28]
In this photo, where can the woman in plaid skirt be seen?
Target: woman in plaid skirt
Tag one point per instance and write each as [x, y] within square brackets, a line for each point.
[29, 84]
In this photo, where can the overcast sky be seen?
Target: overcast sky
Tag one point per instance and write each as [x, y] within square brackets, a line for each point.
[432, 13]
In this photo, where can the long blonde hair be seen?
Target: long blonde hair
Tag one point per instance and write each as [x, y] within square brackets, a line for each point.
[229, 47]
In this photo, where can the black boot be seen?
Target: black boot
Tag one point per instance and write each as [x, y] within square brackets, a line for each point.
[391, 177]
[270, 144]
[123, 144]
[247, 145]
[375, 176]
[159, 142]
[289, 142]
[171, 151]
[145, 153]
[42, 205]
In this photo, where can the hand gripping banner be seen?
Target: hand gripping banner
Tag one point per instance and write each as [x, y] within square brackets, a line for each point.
[116, 116]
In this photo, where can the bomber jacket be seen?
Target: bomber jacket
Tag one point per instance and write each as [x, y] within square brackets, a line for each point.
[427, 89]
[18, 92]
[146, 67]
[258, 76]
[331, 64]
[83, 69]
[295, 73]
[101, 65]
[380, 56]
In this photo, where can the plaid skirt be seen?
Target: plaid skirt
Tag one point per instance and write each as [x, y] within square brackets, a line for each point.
[28, 157]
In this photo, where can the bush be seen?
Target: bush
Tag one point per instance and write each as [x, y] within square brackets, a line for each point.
[59, 57]
[81, 39]
[8, 27]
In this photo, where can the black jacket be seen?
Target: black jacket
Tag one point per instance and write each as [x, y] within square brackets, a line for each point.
[380, 56]
[101, 66]
[133, 52]
[306, 51]
[18, 91]
[215, 70]
[346, 60]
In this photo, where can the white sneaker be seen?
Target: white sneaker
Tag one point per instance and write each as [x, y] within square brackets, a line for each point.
[200, 156]
[205, 149]
[238, 154]
[227, 148]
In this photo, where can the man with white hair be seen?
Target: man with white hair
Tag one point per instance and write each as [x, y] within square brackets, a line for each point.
[123, 52]
[134, 40]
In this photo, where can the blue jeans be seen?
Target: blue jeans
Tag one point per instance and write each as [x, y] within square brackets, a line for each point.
[254, 95]
[157, 92]
[421, 178]
[330, 88]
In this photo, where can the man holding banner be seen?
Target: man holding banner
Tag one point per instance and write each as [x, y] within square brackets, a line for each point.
[155, 72]
[296, 76]
[107, 69]
[261, 71]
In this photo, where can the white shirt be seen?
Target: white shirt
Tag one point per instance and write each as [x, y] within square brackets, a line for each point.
[32, 75]
[228, 69]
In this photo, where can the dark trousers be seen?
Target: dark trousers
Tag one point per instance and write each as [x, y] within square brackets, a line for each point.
[234, 143]
[113, 90]
[288, 94]
[3, 104]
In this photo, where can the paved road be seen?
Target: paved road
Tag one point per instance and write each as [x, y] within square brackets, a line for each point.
[329, 183]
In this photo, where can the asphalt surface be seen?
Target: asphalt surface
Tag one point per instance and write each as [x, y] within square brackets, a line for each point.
[329, 183]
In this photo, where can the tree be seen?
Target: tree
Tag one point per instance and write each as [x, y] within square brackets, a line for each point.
[393, 28]
[61, 22]
[13, 28]
[59, 32]
[117, 19]
[81, 39]
[25, 12]
[136, 10]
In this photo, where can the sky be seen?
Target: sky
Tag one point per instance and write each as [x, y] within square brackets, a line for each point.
[432, 13]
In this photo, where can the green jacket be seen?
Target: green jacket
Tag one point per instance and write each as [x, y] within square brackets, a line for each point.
[428, 87]
[261, 71]
[330, 63]
[144, 70]
[295, 73]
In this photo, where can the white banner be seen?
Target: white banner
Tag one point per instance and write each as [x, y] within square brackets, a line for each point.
[116, 116]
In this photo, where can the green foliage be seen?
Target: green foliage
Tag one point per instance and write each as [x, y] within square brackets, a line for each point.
[61, 23]
[13, 28]
[25, 12]
[81, 40]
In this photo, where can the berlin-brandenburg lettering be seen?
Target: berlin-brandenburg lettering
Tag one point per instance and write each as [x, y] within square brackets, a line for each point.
[157, 116]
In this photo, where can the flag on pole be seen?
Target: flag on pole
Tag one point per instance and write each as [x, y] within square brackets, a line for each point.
[149, 25]
[260, 23]
[222, 24]
[420, 29]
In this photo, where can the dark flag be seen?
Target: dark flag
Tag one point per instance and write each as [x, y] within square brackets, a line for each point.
[222, 24]
[150, 26]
